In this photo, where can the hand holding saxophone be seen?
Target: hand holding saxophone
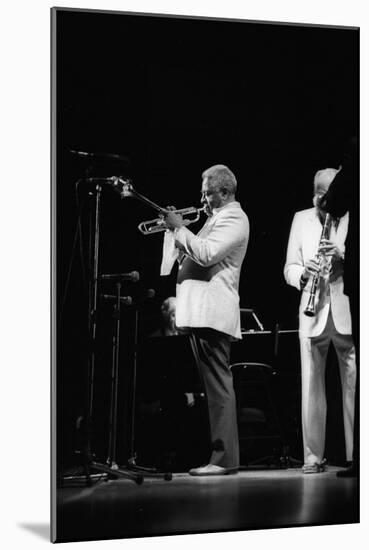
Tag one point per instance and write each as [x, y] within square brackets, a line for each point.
[312, 267]
[320, 266]
[330, 248]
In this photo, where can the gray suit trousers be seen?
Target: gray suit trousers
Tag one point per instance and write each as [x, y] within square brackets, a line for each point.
[212, 352]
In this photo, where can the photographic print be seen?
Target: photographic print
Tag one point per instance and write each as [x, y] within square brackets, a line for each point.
[205, 194]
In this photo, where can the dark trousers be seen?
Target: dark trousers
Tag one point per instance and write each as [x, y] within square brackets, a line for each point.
[212, 352]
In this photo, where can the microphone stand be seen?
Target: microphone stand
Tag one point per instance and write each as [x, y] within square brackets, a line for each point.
[89, 464]
[112, 448]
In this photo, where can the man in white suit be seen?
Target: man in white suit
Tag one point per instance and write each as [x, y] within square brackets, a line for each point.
[331, 322]
[208, 305]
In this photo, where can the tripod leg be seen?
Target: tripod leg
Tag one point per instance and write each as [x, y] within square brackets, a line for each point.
[111, 413]
[134, 389]
[118, 472]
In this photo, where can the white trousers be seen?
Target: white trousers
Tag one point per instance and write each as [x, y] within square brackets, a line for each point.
[313, 399]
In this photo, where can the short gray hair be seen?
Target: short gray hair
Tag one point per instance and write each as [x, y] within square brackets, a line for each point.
[222, 177]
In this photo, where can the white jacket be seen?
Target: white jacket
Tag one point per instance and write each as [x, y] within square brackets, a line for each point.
[303, 244]
[208, 295]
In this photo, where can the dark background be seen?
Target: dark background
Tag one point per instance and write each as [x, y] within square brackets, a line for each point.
[273, 102]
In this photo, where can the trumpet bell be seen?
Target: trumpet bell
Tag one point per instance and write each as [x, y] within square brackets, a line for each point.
[152, 226]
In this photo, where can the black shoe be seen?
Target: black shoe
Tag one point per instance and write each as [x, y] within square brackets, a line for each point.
[351, 471]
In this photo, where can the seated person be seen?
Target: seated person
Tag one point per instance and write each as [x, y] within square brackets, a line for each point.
[168, 312]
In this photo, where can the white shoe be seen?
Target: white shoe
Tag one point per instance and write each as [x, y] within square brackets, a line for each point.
[212, 470]
[315, 468]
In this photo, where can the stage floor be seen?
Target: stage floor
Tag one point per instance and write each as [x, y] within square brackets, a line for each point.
[251, 499]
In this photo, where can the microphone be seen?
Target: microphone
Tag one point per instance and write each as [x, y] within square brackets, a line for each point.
[128, 301]
[125, 300]
[100, 156]
[80, 153]
[133, 276]
[114, 181]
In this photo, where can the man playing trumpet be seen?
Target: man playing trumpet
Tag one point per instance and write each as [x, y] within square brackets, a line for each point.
[324, 317]
[208, 305]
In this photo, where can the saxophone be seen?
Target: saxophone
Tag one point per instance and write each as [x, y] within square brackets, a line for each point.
[310, 308]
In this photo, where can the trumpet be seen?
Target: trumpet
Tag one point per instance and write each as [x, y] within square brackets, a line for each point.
[310, 308]
[125, 189]
[158, 224]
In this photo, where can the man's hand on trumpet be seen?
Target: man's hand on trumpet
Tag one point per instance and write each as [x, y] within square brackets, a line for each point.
[172, 219]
